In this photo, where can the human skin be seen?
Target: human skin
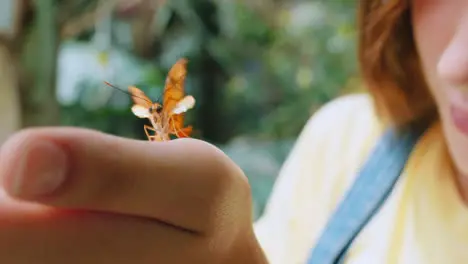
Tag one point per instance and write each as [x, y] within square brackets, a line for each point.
[117, 200]
[440, 29]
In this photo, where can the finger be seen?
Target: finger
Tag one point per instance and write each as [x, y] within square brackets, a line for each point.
[176, 182]
[34, 233]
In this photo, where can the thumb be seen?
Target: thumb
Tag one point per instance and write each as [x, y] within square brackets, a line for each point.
[174, 182]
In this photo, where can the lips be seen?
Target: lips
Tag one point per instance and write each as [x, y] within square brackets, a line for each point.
[460, 119]
[459, 109]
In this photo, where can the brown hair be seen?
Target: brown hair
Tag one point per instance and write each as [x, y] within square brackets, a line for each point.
[389, 62]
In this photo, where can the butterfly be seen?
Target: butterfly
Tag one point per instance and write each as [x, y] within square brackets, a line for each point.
[167, 118]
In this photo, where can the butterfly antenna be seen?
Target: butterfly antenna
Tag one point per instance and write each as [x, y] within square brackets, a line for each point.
[125, 92]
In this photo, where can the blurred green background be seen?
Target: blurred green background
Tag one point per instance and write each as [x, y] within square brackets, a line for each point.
[258, 69]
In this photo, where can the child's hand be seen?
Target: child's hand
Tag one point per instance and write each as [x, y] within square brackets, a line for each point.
[85, 197]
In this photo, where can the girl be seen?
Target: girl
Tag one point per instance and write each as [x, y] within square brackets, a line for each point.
[414, 61]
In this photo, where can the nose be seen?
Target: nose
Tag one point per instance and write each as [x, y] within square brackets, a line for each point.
[453, 64]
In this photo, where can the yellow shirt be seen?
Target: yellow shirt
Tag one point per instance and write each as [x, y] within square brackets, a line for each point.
[423, 220]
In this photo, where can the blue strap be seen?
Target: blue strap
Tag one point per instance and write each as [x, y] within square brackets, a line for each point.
[367, 194]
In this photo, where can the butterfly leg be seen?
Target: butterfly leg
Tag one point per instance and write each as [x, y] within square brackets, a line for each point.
[155, 137]
[150, 138]
[184, 132]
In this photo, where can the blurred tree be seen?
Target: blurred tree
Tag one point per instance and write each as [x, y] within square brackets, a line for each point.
[14, 15]
[39, 60]
[210, 77]
[9, 97]
[34, 50]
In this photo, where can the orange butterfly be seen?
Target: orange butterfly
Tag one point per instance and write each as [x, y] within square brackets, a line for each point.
[166, 118]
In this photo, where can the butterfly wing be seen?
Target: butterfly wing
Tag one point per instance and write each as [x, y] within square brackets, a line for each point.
[141, 111]
[174, 92]
[174, 89]
[187, 103]
[139, 97]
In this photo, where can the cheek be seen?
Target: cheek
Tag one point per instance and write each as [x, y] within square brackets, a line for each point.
[438, 28]
[428, 17]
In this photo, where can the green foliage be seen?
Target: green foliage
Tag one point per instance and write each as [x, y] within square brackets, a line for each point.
[283, 66]
[113, 121]
[277, 68]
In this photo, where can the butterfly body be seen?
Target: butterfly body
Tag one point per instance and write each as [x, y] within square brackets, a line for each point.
[167, 118]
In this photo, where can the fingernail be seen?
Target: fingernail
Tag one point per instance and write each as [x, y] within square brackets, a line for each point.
[41, 171]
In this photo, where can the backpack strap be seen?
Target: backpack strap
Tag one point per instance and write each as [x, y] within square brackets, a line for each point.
[367, 194]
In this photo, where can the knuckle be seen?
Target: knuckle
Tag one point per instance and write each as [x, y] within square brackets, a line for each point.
[218, 167]
[226, 187]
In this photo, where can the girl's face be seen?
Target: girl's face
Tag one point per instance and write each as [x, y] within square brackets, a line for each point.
[441, 35]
